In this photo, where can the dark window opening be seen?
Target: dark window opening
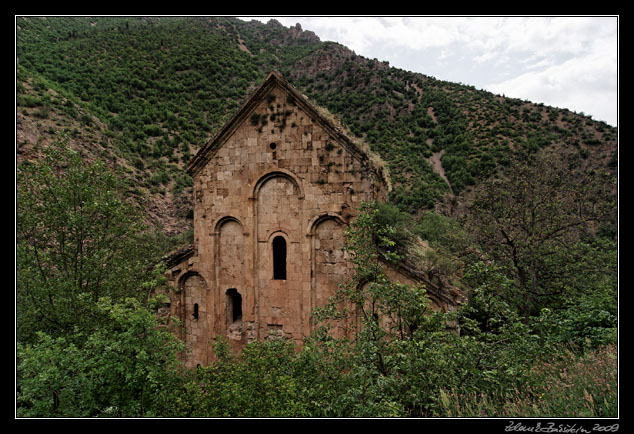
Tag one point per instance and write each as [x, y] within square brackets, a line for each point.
[234, 306]
[196, 311]
[279, 258]
[272, 146]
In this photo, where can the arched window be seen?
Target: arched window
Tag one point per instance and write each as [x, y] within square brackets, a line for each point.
[279, 258]
[234, 306]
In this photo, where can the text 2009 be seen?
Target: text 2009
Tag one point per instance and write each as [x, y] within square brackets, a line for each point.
[606, 428]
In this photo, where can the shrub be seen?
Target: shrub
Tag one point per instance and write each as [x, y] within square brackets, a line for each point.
[128, 368]
[566, 386]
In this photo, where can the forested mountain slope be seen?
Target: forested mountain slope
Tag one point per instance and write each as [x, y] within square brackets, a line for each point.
[147, 93]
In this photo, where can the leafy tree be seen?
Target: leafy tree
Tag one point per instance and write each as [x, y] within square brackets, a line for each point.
[537, 221]
[387, 309]
[77, 241]
[450, 246]
[403, 353]
[393, 320]
[126, 368]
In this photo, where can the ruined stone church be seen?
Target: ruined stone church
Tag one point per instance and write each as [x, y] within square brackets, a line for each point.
[273, 192]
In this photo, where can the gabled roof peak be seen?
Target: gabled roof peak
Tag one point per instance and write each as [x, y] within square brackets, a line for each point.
[275, 78]
[275, 74]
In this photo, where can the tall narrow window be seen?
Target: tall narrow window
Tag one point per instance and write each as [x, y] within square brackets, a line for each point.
[234, 306]
[279, 258]
[196, 311]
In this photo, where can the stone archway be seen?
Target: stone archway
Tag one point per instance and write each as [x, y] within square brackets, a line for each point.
[280, 261]
[328, 262]
[196, 317]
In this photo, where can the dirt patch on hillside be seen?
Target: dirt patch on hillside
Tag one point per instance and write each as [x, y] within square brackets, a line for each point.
[436, 164]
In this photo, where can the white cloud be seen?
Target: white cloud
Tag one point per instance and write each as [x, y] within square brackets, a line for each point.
[581, 84]
[566, 62]
[578, 72]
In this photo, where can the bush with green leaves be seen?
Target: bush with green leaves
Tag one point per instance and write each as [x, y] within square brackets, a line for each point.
[566, 384]
[78, 239]
[260, 382]
[128, 367]
[403, 353]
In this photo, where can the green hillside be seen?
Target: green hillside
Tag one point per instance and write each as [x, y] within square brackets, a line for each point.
[161, 86]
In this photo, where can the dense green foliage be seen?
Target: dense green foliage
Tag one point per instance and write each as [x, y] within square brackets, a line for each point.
[128, 367]
[161, 87]
[538, 221]
[398, 359]
[87, 343]
[77, 241]
[535, 252]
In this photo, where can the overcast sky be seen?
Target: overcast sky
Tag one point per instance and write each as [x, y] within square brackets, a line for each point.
[566, 62]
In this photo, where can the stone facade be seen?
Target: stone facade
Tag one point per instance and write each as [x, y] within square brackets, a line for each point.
[273, 191]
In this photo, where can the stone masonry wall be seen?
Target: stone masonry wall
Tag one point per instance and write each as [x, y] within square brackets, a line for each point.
[279, 174]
